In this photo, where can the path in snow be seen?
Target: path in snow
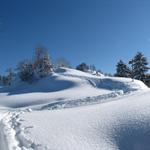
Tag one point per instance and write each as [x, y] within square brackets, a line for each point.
[12, 136]
[61, 104]
[117, 125]
[3, 145]
[8, 139]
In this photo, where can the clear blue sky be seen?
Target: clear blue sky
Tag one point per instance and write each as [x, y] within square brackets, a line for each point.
[97, 32]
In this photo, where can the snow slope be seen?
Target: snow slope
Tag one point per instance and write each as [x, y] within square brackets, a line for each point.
[65, 85]
[116, 125]
[115, 116]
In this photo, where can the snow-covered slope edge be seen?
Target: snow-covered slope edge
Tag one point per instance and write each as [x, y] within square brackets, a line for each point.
[66, 85]
[121, 123]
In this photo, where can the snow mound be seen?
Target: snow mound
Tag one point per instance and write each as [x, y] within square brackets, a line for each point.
[126, 85]
[120, 120]
[118, 125]
[52, 83]
[66, 85]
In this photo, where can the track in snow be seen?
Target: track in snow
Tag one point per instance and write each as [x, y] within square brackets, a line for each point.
[61, 104]
[12, 136]
[3, 143]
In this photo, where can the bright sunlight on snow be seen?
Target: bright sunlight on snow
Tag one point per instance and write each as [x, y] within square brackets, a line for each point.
[73, 110]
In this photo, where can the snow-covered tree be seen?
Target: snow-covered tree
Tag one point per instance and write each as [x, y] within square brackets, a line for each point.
[42, 63]
[122, 70]
[139, 66]
[83, 67]
[10, 76]
[5, 80]
[26, 71]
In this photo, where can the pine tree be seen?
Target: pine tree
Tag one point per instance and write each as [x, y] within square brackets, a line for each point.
[139, 66]
[122, 70]
[83, 67]
[92, 68]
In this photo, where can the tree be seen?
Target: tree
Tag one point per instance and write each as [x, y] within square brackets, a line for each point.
[83, 67]
[40, 52]
[132, 73]
[0, 78]
[92, 68]
[42, 64]
[62, 62]
[10, 76]
[139, 66]
[122, 70]
[26, 71]
[5, 80]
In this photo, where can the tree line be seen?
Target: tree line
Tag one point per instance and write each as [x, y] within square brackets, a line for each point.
[32, 69]
[41, 66]
[137, 68]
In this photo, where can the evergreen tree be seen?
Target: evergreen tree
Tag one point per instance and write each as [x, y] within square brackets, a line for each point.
[139, 66]
[92, 68]
[122, 70]
[83, 67]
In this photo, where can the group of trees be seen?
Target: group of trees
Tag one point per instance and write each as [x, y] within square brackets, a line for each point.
[91, 69]
[30, 70]
[41, 66]
[87, 68]
[6, 80]
[62, 62]
[34, 69]
[137, 69]
[83, 67]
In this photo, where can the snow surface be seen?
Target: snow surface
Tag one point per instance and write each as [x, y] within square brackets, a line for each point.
[65, 85]
[47, 115]
[117, 125]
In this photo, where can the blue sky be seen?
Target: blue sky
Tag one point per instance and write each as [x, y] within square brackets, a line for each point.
[97, 32]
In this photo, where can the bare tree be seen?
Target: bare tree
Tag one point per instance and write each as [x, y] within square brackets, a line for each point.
[62, 62]
[42, 62]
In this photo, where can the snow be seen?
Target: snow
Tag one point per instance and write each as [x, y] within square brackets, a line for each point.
[117, 125]
[73, 110]
[64, 85]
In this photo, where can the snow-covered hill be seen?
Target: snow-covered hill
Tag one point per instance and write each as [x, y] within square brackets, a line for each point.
[66, 85]
[115, 116]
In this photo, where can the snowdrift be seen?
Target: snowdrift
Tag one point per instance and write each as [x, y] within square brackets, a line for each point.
[118, 120]
[66, 85]
[117, 125]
